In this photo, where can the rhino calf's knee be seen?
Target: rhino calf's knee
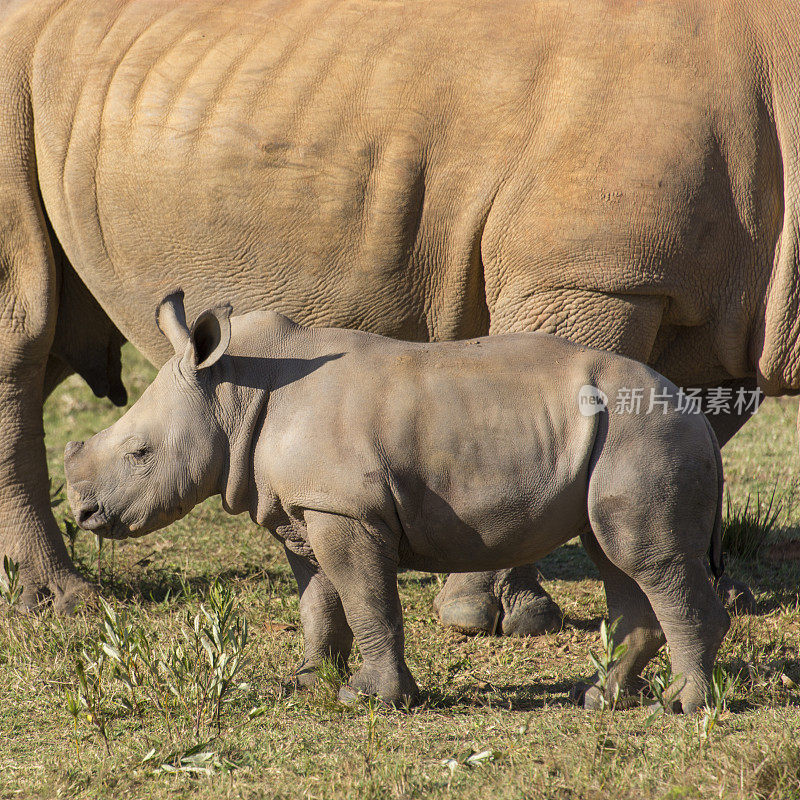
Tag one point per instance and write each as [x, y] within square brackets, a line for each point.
[365, 455]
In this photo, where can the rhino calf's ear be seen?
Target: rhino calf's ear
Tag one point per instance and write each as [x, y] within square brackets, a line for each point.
[209, 338]
[171, 320]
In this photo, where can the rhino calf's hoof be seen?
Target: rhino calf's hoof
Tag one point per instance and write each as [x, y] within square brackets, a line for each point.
[577, 694]
[589, 697]
[348, 696]
[305, 677]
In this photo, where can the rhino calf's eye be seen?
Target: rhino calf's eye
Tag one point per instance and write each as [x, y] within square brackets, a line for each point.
[139, 453]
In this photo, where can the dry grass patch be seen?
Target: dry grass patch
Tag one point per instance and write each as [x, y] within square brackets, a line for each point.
[496, 719]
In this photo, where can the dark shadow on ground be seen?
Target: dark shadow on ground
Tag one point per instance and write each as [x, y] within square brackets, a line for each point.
[165, 584]
[416, 578]
[568, 563]
[590, 625]
[776, 584]
[514, 697]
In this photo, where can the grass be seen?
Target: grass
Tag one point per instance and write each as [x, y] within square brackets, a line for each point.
[746, 528]
[496, 719]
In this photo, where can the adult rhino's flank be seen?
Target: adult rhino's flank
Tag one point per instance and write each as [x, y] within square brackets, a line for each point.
[365, 455]
[623, 174]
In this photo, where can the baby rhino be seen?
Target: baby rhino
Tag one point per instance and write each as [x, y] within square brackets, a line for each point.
[366, 455]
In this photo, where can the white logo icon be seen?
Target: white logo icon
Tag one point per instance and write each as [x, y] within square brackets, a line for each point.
[591, 400]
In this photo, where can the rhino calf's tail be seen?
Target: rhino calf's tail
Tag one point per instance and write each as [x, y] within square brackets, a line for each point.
[715, 555]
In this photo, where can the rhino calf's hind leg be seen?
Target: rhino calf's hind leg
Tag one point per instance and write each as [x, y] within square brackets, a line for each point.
[694, 621]
[665, 554]
[362, 566]
[638, 629]
[327, 636]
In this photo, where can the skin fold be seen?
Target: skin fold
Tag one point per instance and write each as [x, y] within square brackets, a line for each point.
[365, 455]
[621, 174]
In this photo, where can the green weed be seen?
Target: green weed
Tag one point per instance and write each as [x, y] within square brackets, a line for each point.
[10, 586]
[188, 681]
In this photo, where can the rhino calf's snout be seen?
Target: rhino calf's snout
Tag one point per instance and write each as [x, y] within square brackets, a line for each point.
[81, 494]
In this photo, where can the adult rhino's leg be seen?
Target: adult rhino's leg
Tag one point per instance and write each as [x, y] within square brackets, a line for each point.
[513, 601]
[55, 372]
[28, 532]
[28, 309]
[729, 421]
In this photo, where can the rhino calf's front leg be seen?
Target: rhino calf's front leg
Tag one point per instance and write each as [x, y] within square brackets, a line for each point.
[361, 561]
[327, 635]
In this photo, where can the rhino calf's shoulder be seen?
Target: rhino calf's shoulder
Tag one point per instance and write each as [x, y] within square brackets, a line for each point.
[365, 455]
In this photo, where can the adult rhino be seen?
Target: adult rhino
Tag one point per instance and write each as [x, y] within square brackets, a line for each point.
[622, 174]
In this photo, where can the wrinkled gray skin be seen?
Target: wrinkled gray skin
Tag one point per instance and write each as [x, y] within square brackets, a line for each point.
[365, 455]
[625, 176]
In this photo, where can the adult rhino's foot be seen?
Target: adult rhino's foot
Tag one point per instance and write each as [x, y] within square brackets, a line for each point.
[67, 591]
[510, 602]
[45, 573]
[735, 595]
